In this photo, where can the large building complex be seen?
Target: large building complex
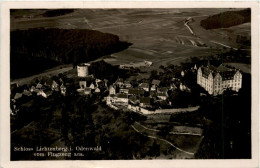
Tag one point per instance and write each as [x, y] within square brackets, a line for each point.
[217, 79]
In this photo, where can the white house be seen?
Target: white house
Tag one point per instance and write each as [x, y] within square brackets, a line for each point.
[112, 90]
[144, 86]
[97, 90]
[82, 84]
[92, 86]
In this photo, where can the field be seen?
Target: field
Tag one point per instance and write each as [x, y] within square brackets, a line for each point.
[158, 35]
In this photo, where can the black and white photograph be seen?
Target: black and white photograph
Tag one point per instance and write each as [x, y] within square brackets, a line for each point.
[130, 83]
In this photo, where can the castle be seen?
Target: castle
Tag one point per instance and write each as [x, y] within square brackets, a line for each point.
[217, 79]
[83, 70]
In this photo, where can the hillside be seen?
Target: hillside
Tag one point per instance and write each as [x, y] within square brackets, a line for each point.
[226, 19]
[34, 50]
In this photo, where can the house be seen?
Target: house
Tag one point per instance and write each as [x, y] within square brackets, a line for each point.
[195, 67]
[32, 89]
[55, 86]
[87, 91]
[63, 90]
[82, 84]
[14, 86]
[184, 87]
[92, 86]
[182, 73]
[124, 90]
[217, 79]
[97, 90]
[27, 92]
[153, 94]
[18, 96]
[145, 101]
[153, 88]
[121, 98]
[48, 93]
[105, 82]
[110, 99]
[138, 92]
[48, 83]
[162, 96]
[173, 86]
[119, 82]
[156, 82]
[42, 93]
[134, 99]
[112, 90]
[144, 86]
[39, 86]
[162, 90]
[128, 84]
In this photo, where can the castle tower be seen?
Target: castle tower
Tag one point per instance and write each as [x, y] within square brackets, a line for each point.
[83, 70]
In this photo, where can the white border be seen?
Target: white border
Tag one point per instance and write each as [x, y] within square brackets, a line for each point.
[5, 86]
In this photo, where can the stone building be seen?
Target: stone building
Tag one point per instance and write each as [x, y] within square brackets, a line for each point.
[83, 70]
[217, 79]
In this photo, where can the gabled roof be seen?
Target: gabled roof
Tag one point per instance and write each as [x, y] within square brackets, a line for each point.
[111, 87]
[136, 91]
[144, 85]
[225, 73]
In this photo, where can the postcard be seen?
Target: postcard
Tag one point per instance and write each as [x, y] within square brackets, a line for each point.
[129, 84]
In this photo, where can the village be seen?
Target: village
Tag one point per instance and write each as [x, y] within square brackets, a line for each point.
[145, 96]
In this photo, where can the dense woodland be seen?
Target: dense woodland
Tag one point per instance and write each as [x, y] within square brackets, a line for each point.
[226, 19]
[35, 50]
[57, 12]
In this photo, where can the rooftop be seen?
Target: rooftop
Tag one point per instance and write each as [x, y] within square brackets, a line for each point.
[144, 85]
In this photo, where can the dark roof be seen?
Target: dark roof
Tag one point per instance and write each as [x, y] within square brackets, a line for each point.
[163, 89]
[133, 98]
[156, 82]
[225, 73]
[161, 94]
[153, 93]
[146, 100]
[122, 95]
[136, 91]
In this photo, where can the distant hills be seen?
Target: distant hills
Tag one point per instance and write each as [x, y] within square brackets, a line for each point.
[35, 50]
[226, 19]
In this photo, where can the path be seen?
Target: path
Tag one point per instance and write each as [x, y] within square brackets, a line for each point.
[174, 133]
[223, 45]
[153, 137]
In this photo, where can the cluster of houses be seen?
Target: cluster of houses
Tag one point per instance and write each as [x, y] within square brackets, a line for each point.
[93, 87]
[122, 93]
[41, 88]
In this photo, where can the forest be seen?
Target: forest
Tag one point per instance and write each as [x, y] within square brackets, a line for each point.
[35, 50]
[227, 19]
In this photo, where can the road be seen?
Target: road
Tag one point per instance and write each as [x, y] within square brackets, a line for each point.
[50, 72]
